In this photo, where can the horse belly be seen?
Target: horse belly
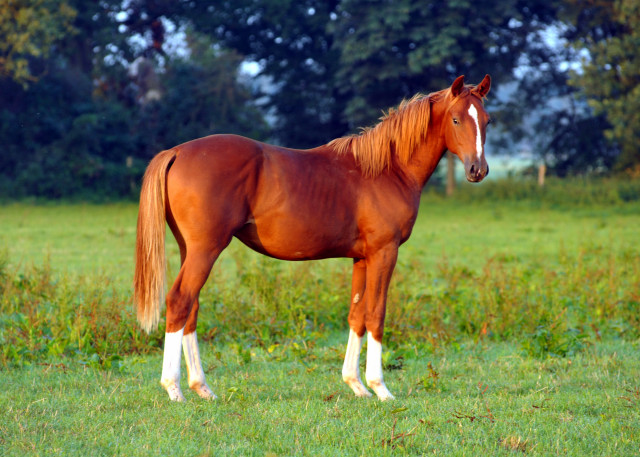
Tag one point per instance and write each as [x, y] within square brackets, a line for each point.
[299, 239]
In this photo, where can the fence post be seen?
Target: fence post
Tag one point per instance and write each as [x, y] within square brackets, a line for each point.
[132, 182]
[542, 171]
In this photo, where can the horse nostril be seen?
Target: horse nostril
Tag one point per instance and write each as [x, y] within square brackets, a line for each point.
[472, 170]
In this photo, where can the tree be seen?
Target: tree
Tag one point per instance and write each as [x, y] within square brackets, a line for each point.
[610, 75]
[87, 126]
[394, 48]
[28, 30]
[335, 64]
[201, 96]
[289, 40]
[542, 113]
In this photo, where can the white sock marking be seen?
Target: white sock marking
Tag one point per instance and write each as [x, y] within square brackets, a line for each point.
[473, 112]
[351, 367]
[171, 364]
[374, 369]
[194, 366]
[192, 357]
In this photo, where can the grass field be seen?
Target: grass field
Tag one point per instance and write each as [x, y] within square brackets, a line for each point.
[513, 327]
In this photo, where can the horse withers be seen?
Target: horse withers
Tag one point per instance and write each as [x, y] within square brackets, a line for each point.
[354, 197]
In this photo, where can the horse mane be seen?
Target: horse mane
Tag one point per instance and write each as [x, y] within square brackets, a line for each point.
[399, 131]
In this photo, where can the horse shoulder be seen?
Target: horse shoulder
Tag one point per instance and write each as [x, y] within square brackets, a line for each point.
[387, 211]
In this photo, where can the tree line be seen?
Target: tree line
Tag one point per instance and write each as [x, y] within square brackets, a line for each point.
[89, 91]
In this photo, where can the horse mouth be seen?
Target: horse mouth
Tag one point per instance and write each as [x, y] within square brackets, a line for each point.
[475, 171]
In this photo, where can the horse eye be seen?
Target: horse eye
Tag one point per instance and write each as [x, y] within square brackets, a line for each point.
[489, 121]
[456, 121]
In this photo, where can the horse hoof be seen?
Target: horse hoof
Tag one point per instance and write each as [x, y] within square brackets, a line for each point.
[175, 394]
[385, 396]
[204, 391]
[381, 390]
[356, 385]
[363, 392]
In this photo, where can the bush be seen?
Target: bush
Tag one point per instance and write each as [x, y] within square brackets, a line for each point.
[568, 192]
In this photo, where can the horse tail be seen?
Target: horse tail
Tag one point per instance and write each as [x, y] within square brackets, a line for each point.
[150, 270]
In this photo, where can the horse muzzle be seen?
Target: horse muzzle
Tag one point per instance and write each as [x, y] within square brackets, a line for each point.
[476, 169]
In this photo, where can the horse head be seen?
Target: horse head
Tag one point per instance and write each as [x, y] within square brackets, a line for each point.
[465, 123]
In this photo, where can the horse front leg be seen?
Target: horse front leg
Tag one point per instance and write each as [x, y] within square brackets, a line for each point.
[351, 367]
[380, 267]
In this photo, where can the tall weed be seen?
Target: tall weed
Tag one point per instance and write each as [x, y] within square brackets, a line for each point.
[569, 192]
[551, 305]
[590, 294]
[43, 317]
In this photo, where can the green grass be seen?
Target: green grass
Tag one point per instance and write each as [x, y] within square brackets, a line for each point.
[74, 238]
[513, 327]
[475, 400]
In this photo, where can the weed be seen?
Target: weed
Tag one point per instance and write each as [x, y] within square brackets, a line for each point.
[234, 392]
[43, 318]
[504, 280]
[549, 341]
[392, 361]
[397, 440]
[430, 380]
[516, 444]
[632, 398]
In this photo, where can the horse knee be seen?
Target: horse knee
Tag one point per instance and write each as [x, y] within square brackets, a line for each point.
[376, 329]
[357, 325]
[356, 316]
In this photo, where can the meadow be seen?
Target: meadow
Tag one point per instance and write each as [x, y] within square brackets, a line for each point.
[512, 327]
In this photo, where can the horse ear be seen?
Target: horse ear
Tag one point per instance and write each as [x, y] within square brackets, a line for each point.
[482, 89]
[457, 86]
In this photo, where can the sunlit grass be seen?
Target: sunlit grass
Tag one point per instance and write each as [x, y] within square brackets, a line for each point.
[474, 399]
[512, 327]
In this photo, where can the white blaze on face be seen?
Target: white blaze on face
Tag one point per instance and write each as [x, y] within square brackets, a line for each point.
[473, 112]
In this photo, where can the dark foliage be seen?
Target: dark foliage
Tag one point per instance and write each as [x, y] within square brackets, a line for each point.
[79, 121]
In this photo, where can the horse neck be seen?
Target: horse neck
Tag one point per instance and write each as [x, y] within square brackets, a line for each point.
[427, 155]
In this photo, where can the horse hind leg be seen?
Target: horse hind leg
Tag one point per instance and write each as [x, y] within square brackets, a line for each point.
[181, 301]
[351, 367]
[195, 372]
[197, 381]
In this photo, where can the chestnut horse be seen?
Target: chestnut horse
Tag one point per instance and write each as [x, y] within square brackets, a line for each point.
[354, 197]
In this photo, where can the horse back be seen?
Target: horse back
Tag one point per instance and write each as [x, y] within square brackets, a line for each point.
[286, 203]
